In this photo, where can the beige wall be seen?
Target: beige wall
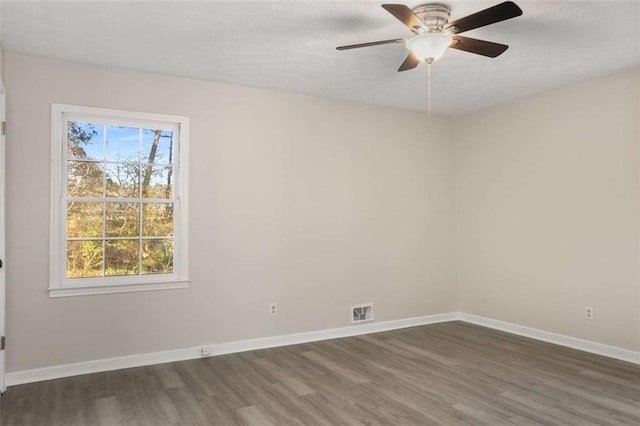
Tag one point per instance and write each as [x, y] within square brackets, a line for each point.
[318, 205]
[548, 194]
[314, 204]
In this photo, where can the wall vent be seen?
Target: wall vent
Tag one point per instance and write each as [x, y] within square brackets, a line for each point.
[362, 313]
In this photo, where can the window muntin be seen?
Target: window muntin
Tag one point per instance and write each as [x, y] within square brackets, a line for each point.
[121, 208]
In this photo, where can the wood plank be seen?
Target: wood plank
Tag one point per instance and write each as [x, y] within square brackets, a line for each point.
[447, 373]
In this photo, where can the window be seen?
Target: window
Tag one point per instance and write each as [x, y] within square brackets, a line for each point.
[119, 201]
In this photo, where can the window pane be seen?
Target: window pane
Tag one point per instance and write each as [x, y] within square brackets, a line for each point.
[157, 256]
[157, 146]
[123, 144]
[84, 259]
[85, 141]
[84, 220]
[157, 181]
[157, 220]
[121, 257]
[123, 180]
[84, 179]
[122, 219]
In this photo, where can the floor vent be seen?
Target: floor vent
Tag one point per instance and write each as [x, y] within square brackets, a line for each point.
[362, 313]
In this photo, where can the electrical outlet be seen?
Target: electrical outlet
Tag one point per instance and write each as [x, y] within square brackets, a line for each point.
[205, 351]
[588, 313]
[273, 309]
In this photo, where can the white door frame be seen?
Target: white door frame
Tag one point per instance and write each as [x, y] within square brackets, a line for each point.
[3, 117]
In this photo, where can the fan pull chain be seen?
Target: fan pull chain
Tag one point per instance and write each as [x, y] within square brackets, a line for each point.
[429, 88]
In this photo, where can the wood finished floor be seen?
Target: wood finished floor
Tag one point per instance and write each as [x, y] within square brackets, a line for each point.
[449, 373]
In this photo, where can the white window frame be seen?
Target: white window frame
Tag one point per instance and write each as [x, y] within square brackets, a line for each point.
[59, 285]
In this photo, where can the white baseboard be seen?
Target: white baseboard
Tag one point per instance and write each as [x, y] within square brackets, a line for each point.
[110, 364]
[558, 339]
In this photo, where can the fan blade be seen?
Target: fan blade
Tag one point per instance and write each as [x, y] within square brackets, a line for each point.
[406, 16]
[372, 43]
[480, 47]
[409, 63]
[497, 13]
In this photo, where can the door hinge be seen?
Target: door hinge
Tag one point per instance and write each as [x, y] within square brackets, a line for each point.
[2, 342]
[4, 127]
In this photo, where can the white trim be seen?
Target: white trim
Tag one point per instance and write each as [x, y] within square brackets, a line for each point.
[102, 113]
[55, 231]
[558, 339]
[115, 288]
[182, 212]
[109, 364]
[3, 234]
[59, 285]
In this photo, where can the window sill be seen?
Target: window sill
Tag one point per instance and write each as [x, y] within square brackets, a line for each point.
[110, 289]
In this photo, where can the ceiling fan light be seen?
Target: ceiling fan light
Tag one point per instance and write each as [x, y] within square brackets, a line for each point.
[429, 47]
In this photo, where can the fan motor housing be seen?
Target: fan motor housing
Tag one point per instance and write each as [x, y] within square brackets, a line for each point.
[434, 15]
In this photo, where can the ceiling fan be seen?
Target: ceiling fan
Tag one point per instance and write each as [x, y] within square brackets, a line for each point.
[433, 33]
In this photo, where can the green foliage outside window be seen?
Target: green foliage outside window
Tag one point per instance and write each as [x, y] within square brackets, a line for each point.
[120, 212]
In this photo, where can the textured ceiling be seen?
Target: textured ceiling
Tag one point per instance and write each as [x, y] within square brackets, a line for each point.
[290, 46]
